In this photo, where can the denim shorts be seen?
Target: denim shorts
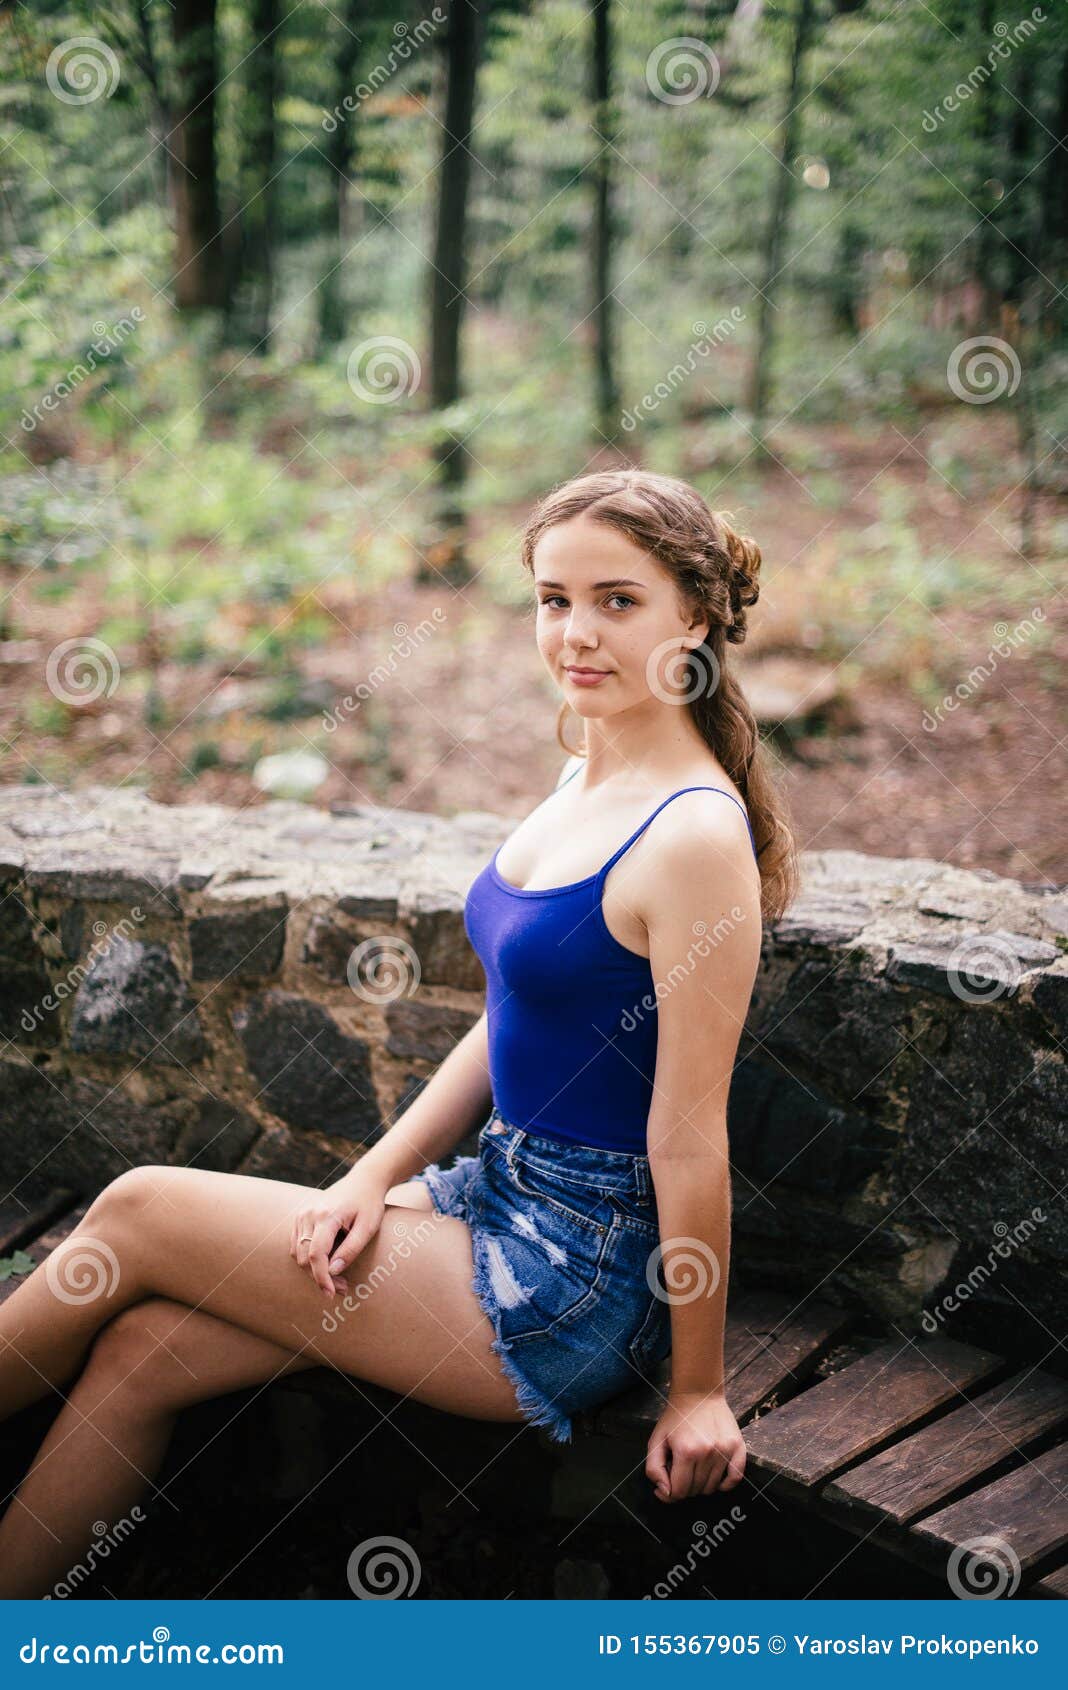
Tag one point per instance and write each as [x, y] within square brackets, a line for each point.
[566, 1249]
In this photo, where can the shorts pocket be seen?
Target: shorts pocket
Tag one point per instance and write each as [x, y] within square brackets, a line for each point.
[640, 1212]
[580, 1203]
[547, 1272]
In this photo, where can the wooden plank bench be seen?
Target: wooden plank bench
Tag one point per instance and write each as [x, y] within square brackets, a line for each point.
[922, 1446]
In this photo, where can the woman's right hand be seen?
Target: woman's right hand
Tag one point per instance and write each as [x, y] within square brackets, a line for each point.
[353, 1206]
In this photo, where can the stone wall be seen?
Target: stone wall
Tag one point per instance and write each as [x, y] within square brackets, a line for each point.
[264, 990]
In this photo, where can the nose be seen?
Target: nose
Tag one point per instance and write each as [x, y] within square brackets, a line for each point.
[579, 636]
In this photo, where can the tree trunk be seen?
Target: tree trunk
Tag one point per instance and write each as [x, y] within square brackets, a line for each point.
[1053, 223]
[847, 283]
[988, 98]
[1018, 225]
[199, 277]
[339, 148]
[778, 221]
[254, 288]
[603, 312]
[448, 277]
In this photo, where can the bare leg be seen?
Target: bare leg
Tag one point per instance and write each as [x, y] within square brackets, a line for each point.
[219, 1243]
[48, 1324]
[104, 1449]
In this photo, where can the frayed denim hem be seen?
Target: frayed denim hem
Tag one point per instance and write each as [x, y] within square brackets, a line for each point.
[535, 1407]
[444, 1195]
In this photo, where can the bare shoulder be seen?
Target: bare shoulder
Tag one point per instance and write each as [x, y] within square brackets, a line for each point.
[704, 830]
[698, 845]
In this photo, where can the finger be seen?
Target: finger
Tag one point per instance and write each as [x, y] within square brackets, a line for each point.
[335, 1229]
[712, 1474]
[656, 1469]
[735, 1469]
[345, 1253]
[701, 1469]
[319, 1254]
[305, 1234]
[681, 1477]
[305, 1246]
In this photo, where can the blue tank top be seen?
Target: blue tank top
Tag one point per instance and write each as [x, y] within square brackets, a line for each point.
[571, 1013]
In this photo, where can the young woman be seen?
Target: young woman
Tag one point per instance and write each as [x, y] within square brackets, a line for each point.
[619, 927]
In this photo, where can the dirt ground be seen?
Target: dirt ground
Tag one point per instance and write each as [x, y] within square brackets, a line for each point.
[466, 720]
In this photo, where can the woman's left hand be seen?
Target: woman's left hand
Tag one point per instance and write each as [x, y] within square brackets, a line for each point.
[696, 1448]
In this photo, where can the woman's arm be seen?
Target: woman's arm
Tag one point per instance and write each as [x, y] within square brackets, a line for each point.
[704, 947]
[693, 1199]
[455, 1099]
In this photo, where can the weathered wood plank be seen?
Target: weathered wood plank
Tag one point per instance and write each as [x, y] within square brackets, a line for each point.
[1054, 1585]
[923, 1470]
[834, 1423]
[1027, 1510]
[775, 1349]
[767, 1346]
[43, 1246]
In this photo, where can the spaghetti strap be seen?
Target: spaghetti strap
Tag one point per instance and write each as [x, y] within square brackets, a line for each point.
[640, 830]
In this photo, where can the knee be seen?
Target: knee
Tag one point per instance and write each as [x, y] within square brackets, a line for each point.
[136, 1350]
[130, 1194]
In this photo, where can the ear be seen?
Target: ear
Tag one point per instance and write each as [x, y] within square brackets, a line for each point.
[700, 626]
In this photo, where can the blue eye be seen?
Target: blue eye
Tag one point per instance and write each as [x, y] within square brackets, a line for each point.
[551, 598]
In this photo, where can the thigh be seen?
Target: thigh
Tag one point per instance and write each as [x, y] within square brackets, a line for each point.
[219, 1242]
[413, 1194]
[166, 1354]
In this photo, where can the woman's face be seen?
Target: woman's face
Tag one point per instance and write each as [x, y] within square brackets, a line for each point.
[605, 605]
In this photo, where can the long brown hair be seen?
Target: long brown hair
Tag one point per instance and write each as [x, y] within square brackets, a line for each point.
[716, 572]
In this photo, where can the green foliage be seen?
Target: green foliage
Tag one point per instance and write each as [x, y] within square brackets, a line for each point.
[191, 497]
[18, 1263]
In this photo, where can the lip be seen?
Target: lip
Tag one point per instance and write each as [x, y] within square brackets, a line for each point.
[586, 675]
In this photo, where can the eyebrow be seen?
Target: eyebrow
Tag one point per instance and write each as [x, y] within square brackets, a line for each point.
[597, 585]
